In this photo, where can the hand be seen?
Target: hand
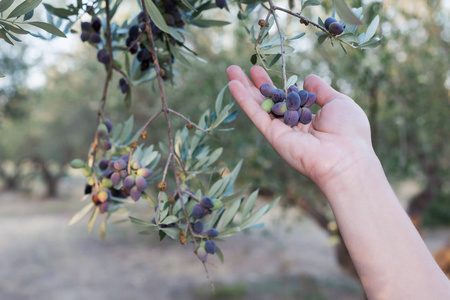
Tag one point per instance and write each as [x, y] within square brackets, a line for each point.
[337, 138]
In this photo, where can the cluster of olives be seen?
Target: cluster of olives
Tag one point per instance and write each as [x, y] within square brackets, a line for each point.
[294, 108]
[116, 176]
[333, 26]
[205, 207]
[114, 180]
[133, 42]
[90, 31]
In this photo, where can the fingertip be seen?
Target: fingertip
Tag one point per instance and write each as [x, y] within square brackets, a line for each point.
[259, 76]
[232, 71]
[312, 81]
[232, 68]
[256, 69]
[323, 91]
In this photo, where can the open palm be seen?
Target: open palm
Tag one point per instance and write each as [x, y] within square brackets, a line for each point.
[337, 137]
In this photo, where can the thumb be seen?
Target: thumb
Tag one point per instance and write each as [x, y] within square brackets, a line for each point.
[325, 93]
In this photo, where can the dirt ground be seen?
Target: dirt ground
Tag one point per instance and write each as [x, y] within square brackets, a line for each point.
[42, 258]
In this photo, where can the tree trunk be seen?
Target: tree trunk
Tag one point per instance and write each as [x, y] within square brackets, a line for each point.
[51, 181]
[12, 182]
[421, 201]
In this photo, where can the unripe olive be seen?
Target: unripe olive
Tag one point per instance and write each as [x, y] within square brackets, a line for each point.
[102, 130]
[144, 172]
[136, 165]
[91, 181]
[267, 105]
[107, 183]
[217, 204]
[77, 163]
[202, 254]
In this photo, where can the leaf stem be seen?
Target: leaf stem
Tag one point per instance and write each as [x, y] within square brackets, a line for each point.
[283, 53]
[94, 146]
[166, 113]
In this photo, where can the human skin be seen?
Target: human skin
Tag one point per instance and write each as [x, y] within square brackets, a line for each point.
[336, 153]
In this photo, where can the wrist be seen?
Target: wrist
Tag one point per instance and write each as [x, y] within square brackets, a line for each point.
[361, 170]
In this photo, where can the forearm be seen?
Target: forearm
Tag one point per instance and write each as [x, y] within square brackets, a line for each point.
[389, 254]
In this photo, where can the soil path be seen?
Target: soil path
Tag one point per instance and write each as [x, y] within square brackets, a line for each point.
[42, 258]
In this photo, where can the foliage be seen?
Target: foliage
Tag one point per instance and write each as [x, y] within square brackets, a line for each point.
[120, 165]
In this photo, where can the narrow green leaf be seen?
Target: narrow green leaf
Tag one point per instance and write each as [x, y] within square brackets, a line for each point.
[3, 35]
[185, 2]
[277, 50]
[93, 218]
[229, 232]
[103, 229]
[5, 4]
[79, 215]
[274, 202]
[219, 98]
[13, 36]
[255, 217]
[173, 233]
[320, 21]
[127, 129]
[169, 220]
[349, 37]
[139, 222]
[175, 51]
[28, 15]
[297, 36]
[13, 28]
[156, 16]
[162, 235]
[249, 204]
[310, 3]
[343, 48]
[345, 13]
[49, 28]
[372, 43]
[220, 254]
[256, 226]
[203, 22]
[322, 39]
[291, 81]
[372, 29]
[222, 116]
[229, 214]
[24, 7]
[59, 12]
[114, 9]
[175, 34]
[149, 199]
[127, 98]
[274, 60]
[213, 157]
[147, 231]
[234, 196]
